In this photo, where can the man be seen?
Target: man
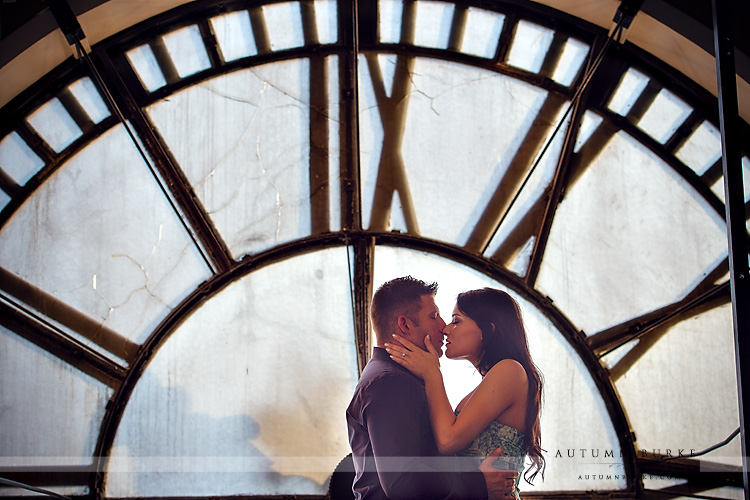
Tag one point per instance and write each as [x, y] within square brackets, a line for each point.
[393, 449]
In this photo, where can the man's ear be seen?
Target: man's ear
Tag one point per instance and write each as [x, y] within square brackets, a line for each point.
[403, 325]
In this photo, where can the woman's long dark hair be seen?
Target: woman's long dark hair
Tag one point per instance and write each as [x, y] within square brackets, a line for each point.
[507, 340]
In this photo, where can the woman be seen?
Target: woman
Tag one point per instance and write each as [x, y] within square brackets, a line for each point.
[503, 410]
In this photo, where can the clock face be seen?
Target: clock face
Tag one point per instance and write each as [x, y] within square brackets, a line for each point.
[190, 235]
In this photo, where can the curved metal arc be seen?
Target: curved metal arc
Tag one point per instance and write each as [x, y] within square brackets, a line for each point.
[249, 264]
[207, 290]
[574, 337]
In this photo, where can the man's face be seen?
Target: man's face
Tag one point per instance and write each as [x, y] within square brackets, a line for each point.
[429, 323]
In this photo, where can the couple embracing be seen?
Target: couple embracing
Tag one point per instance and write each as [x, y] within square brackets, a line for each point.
[407, 442]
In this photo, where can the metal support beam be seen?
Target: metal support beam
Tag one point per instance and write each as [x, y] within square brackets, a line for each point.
[57, 343]
[351, 205]
[364, 260]
[735, 209]
[68, 316]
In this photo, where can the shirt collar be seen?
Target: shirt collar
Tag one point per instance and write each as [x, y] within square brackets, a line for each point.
[381, 354]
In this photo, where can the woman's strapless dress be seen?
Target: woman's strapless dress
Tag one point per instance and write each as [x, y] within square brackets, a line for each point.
[497, 435]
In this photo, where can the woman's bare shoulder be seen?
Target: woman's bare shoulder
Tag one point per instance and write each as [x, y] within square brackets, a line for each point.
[506, 370]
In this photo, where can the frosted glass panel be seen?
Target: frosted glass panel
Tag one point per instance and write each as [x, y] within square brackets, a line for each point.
[17, 159]
[104, 240]
[664, 116]
[628, 90]
[387, 64]
[629, 236]
[326, 20]
[589, 124]
[371, 131]
[334, 143]
[457, 142]
[284, 24]
[573, 56]
[187, 51]
[530, 45]
[4, 199]
[248, 396]
[433, 24]
[573, 416]
[389, 20]
[235, 35]
[144, 64]
[702, 149]
[448, 155]
[88, 97]
[54, 124]
[39, 395]
[249, 161]
[482, 32]
[691, 366]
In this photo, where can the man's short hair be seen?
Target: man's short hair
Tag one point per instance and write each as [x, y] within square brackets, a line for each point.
[398, 297]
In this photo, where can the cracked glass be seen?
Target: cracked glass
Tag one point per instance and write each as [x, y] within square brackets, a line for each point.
[104, 240]
[246, 395]
[252, 180]
[249, 394]
[438, 105]
[599, 238]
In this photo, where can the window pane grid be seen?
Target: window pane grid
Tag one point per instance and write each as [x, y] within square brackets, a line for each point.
[699, 152]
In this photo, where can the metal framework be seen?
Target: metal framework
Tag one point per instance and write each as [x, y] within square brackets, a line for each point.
[25, 308]
[735, 215]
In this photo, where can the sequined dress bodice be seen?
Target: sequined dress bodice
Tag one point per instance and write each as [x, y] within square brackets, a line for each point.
[497, 435]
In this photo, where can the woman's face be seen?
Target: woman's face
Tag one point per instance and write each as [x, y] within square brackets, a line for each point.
[463, 338]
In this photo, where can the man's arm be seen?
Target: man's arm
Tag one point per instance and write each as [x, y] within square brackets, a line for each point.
[398, 425]
[500, 483]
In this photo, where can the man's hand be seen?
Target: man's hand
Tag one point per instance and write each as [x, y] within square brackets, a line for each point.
[500, 483]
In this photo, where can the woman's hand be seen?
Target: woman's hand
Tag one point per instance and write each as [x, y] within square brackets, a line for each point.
[421, 363]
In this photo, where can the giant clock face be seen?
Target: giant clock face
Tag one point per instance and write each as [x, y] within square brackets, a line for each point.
[187, 289]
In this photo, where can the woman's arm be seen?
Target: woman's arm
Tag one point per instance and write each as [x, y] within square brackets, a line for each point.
[502, 389]
[497, 392]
